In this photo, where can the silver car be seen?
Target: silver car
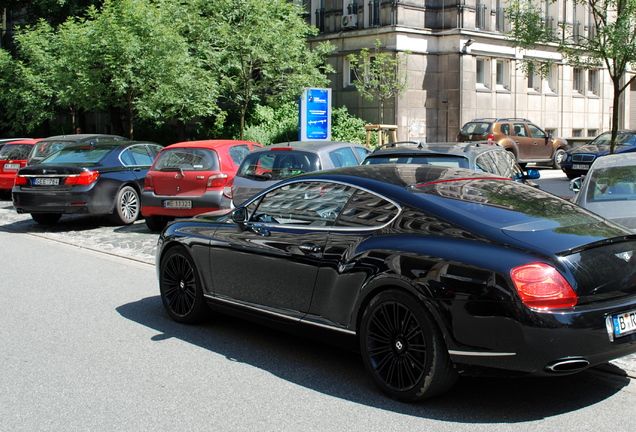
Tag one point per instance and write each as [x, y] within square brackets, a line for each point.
[264, 167]
[609, 189]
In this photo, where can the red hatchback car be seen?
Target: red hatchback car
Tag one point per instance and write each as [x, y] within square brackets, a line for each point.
[187, 178]
[13, 156]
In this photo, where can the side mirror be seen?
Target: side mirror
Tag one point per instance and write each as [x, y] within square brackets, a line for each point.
[532, 174]
[239, 216]
[575, 184]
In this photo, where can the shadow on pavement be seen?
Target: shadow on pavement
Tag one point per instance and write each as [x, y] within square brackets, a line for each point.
[341, 374]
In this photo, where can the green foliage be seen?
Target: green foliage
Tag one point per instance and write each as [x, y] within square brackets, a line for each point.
[610, 41]
[379, 75]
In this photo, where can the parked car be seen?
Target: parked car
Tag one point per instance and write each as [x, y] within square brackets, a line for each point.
[480, 156]
[527, 141]
[609, 189]
[99, 178]
[188, 178]
[13, 156]
[3, 141]
[578, 161]
[46, 147]
[271, 164]
[429, 271]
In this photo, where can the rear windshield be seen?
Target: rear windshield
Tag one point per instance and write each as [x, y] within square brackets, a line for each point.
[187, 159]
[505, 204]
[15, 151]
[78, 155]
[476, 128]
[447, 161]
[45, 149]
[626, 139]
[278, 164]
[612, 184]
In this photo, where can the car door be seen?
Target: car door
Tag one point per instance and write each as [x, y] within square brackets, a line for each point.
[524, 142]
[138, 159]
[270, 261]
[541, 146]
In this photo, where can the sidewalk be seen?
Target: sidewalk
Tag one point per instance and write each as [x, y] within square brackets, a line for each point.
[137, 242]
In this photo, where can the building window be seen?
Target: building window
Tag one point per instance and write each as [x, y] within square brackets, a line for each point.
[503, 75]
[592, 81]
[374, 13]
[578, 80]
[483, 73]
[577, 133]
[553, 78]
[349, 74]
[534, 79]
[480, 15]
[592, 133]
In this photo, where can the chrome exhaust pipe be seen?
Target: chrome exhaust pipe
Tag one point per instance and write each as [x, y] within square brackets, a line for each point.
[568, 365]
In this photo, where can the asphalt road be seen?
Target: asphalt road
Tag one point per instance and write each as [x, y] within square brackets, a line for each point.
[86, 346]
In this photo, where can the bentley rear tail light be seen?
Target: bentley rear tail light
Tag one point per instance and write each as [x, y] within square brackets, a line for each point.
[541, 286]
[149, 183]
[227, 189]
[217, 180]
[84, 179]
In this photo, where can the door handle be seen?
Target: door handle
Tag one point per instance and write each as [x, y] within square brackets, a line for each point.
[260, 231]
[309, 248]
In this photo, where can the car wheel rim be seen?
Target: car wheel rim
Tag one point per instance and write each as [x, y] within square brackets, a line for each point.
[396, 346]
[179, 285]
[129, 205]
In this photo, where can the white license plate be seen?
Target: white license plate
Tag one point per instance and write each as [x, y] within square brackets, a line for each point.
[12, 166]
[177, 204]
[46, 181]
[580, 167]
[624, 324]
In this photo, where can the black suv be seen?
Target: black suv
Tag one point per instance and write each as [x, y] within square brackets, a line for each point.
[480, 156]
[527, 141]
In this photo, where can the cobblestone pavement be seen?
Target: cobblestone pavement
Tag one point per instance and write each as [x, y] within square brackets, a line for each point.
[137, 242]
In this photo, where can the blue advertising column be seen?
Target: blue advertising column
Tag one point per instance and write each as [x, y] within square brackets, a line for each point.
[315, 115]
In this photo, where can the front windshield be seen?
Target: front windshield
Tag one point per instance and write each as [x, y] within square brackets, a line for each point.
[278, 164]
[624, 139]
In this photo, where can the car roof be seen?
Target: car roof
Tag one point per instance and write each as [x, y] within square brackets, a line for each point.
[447, 148]
[310, 146]
[24, 141]
[494, 120]
[209, 143]
[401, 175]
[622, 159]
[84, 137]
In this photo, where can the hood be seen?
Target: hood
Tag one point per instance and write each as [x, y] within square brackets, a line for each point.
[591, 149]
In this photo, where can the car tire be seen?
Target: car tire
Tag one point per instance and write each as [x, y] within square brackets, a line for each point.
[127, 206]
[180, 287]
[157, 223]
[557, 157]
[46, 218]
[403, 348]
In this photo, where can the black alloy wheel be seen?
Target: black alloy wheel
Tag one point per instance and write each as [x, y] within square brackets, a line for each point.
[180, 288]
[403, 349]
[46, 218]
[127, 206]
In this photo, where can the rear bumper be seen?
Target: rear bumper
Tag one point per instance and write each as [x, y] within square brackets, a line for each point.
[63, 202]
[153, 204]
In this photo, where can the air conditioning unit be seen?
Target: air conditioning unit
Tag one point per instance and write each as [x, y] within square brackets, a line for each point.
[349, 21]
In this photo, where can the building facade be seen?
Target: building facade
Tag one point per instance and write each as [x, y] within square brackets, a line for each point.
[461, 67]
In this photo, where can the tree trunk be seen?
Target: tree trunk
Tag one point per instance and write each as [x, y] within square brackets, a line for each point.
[615, 106]
[116, 118]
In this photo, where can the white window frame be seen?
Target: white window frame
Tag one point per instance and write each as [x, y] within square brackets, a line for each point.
[578, 81]
[502, 74]
[593, 82]
[483, 77]
[534, 80]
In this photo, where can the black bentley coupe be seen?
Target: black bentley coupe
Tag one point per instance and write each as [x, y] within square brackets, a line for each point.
[430, 272]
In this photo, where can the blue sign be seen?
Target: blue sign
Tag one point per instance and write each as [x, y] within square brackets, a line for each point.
[315, 115]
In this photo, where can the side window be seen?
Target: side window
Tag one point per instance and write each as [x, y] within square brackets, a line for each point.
[505, 128]
[141, 155]
[127, 158]
[303, 203]
[367, 210]
[535, 132]
[343, 157]
[504, 164]
[362, 152]
[238, 152]
[520, 130]
[486, 163]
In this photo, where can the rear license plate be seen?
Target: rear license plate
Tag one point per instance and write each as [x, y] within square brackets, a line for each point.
[177, 204]
[580, 167]
[624, 324]
[45, 181]
[12, 166]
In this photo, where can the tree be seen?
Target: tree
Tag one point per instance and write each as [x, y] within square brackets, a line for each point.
[55, 12]
[264, 56]
[611, 43]
[379, 75]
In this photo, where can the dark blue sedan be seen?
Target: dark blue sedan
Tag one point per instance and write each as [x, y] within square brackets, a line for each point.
[100, 178]
[577, 162]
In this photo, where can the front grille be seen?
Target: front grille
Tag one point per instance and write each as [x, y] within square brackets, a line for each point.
[583, 158]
